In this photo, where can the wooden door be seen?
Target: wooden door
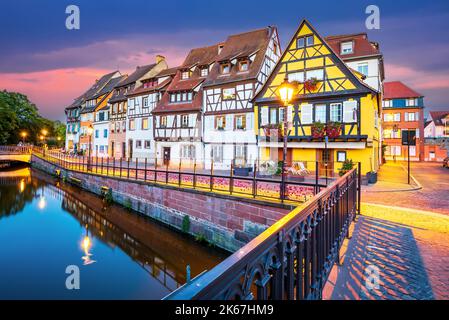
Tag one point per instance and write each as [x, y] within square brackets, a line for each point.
[288, 158]
[325, 158]
[166, 156]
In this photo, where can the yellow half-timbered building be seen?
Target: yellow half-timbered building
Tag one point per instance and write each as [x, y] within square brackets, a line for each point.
[330, 100]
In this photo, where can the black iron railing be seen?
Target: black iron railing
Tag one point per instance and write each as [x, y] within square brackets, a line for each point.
[253, 186]
[290, 260]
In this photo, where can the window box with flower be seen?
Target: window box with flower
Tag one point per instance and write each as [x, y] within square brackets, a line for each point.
[273, 129]
[318, 130]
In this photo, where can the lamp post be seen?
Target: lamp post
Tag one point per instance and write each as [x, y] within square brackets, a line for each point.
[286, 90]
[90, 131]
[23, 134]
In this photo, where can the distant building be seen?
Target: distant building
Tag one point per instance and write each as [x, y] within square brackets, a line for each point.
[436, 134]
[403, 112]
[118, 146]
[361, 55]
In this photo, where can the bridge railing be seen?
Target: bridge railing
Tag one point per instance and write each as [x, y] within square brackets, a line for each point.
[292, 259]
[15, 149]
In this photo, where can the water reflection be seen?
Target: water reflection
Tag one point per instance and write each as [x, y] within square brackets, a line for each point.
[110, 243]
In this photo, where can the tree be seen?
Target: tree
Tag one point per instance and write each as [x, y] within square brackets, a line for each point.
[18, 114]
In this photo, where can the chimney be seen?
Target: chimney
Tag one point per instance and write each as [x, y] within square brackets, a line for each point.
[159, 58]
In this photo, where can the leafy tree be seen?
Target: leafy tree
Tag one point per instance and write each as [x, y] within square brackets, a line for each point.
[19, 114]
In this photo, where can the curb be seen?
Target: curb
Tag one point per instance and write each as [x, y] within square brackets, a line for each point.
[415, 181]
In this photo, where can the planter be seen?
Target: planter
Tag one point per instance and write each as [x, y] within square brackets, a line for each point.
[333, 130]
[372, 177]
[242, 172]
[318, 133]
[268, 131]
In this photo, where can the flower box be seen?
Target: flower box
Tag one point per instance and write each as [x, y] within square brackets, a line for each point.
[333, 130]
[318, 130]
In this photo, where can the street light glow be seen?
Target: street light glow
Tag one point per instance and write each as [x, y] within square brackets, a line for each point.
[286, 91]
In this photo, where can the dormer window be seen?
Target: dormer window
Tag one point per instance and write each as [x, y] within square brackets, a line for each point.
[220, 47]
[185, 75]
[243, 65]
[225, 68]
[346, 47]
[204, 72]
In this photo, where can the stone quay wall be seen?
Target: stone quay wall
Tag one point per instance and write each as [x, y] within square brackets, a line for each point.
[224, 221]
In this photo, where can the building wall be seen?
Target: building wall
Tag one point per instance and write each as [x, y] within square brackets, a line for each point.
[435, 153]
[417, 153]
[100, 145]
[373, 78]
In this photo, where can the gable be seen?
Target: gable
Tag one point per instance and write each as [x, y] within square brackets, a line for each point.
[314, 60]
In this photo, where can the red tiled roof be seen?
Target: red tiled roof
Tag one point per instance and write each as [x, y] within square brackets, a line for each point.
[185, 85]
[237, 46]
[142, 90]
[437, 116]
[397, 90]
[164, 106]
[362, 46]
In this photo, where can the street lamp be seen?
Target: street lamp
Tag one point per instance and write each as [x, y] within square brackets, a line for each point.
[23, 134]
[90, 131]
[285, 92]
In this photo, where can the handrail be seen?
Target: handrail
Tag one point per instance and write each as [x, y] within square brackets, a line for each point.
[291, 259]
[15, 149]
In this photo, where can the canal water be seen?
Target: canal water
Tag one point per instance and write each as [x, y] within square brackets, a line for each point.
[48, 228]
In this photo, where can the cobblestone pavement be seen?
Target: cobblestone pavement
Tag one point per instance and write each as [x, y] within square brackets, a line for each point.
[409, 260]
[434, 195]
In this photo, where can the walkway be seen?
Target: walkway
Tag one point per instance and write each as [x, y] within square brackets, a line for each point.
[408, 249]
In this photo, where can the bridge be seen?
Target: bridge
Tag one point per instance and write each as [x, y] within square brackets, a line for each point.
[15, 153]
[291, 260]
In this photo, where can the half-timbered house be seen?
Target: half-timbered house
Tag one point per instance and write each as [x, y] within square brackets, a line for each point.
[177, 117]
[333, 115]
[141, 102]
[244, 63]
[119, 107]
[74, 118]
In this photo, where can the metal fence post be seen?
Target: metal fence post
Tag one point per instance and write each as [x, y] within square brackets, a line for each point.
[137, 168]
[145, 173]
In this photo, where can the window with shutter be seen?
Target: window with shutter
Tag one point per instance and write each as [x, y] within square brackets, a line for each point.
[306, 114]
[350, 111]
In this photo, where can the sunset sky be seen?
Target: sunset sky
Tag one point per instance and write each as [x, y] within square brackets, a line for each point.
[52, 65]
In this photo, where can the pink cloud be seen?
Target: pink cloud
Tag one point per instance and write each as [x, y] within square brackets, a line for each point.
[418, 79]
[51, 90]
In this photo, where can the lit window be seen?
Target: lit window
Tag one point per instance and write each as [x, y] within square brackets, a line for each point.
[163, 122]
[185, 75]
[229, 94]
[132, 125]
[204, 72]
[346, 47]
[225, 68]
[220, 123]
[145, 123]
[388, 117]
[243, 65]
[240, 122]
